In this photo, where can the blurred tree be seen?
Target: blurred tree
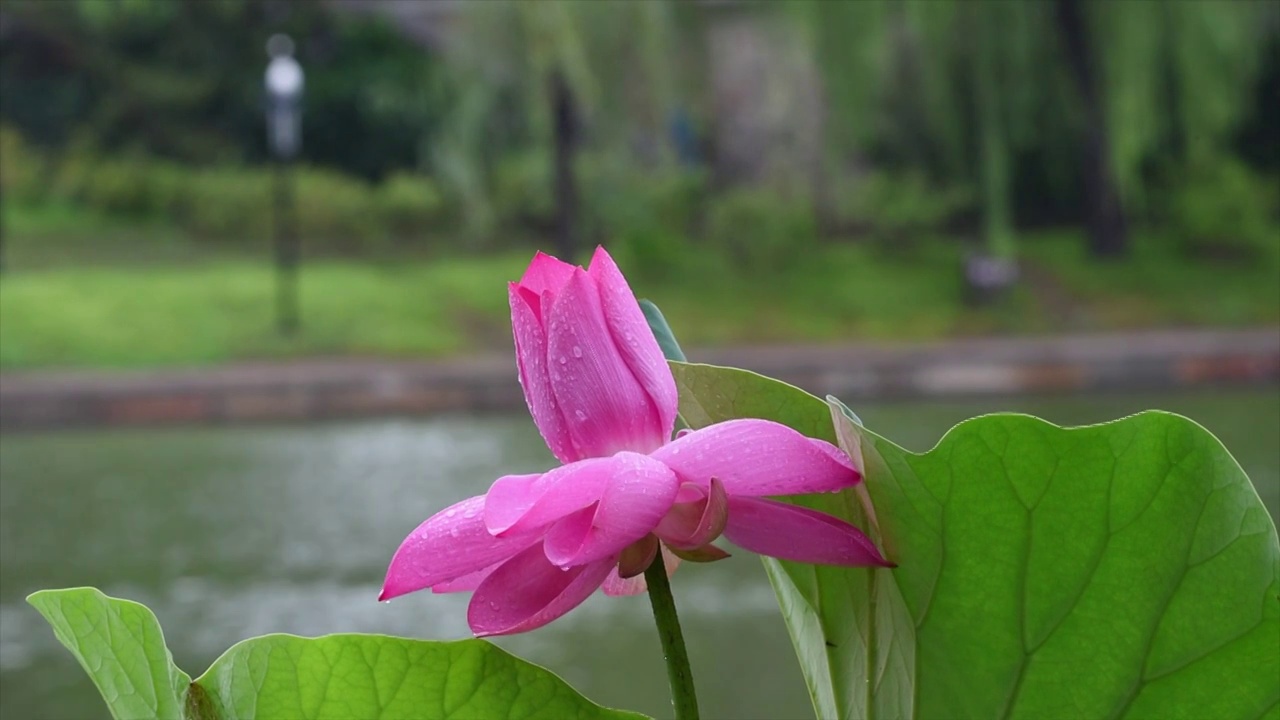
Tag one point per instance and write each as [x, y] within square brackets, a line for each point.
[548, 80]
[1043, 111]
[1173, 78]
[183, 80]
[1108, 236]
[1004, 79]
[565, 134]
[1090, 89]
[906, 90]
[561, 72]
[1259, 138]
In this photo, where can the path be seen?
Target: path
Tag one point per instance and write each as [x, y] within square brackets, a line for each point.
[319, 389]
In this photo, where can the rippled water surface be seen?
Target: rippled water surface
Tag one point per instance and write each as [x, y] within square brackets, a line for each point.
[233, 532]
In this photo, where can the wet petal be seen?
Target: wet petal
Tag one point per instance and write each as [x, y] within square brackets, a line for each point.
[527, 592]
[450, 544]
[690, 525]
[758, 457]
[535, 377]
[520, 503]
[467, 582]
[617, 586]
[638, 493]
[605, 407]
[545, 274]
[794, 533]
[634, 339]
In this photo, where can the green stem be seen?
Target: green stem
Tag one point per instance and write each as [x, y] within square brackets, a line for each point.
[679, 675]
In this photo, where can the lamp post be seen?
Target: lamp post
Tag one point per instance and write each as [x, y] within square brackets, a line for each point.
[284, 83]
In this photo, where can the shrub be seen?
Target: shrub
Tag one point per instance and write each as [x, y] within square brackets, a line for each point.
[898, 209]
[121, 186]
[337, 210]
[23, 170]
[227, 203]
[71, 172]
[233, 203]
[170, 188]
[522, 190]
[646, 218]
[127, 185]
[759, 230]
[411, 206]
[1220, 208]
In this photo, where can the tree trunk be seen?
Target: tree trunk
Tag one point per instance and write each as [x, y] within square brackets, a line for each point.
[997, 213]
[1108, 231]
[991, 272]
[565, 129]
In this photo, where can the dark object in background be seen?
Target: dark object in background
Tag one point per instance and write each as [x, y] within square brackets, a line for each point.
[988, 278]
[566, 130]
[684, 138]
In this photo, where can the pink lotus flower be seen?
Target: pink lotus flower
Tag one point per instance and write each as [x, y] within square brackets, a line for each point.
[535, 546]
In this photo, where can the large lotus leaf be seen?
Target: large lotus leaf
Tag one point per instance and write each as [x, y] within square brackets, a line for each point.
[1123, 570]
[119, 643]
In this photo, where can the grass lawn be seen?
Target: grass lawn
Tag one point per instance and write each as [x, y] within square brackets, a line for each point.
[221, 309]
[55, 235]
[1157, 286]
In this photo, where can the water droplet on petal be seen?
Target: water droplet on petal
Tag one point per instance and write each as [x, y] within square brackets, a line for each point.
[453, 531]
[577, 351]
[563, 359]
[581, 415]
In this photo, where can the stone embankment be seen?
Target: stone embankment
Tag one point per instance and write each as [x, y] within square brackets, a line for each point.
[323, 389]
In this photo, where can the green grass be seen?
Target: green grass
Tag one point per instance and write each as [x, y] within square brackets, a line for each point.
[59, 235]
[221, 310]
[1157, 285]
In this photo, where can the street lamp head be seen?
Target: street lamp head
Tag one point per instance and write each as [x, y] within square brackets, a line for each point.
[284, 82]
[284, 77]
[279, 44]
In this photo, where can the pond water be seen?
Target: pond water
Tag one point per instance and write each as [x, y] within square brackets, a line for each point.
[233, 532]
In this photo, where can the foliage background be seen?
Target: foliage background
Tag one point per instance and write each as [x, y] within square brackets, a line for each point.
[1120, 152]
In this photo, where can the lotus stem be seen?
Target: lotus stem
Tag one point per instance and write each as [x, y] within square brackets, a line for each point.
[683, 696]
